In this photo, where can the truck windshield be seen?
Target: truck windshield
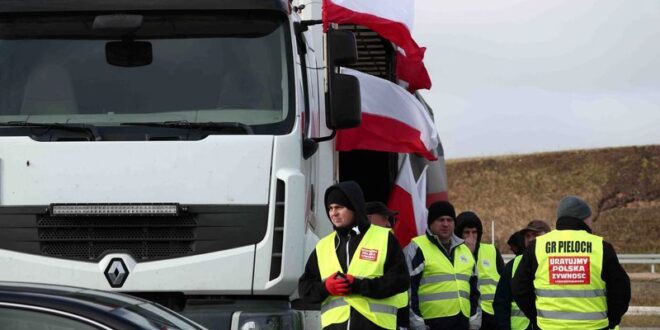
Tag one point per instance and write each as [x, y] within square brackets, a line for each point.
[190, 68]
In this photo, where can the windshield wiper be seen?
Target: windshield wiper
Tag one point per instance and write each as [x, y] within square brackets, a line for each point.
[209, 126]
[91, 130]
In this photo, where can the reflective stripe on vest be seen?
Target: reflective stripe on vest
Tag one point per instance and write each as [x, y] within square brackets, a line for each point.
[488, 276]
[374, 307]
[444, 289]
[368, 261]
[443, 278]
[570, 292]
[518, 319]
[572, 315]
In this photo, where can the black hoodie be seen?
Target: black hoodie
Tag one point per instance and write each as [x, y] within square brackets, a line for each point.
[394, 280]
[617, 283]
[470, 219]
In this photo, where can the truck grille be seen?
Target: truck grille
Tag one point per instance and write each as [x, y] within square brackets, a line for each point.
[145, 238]
[201, 229]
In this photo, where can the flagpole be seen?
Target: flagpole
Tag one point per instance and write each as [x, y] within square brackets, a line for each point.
[492, 232]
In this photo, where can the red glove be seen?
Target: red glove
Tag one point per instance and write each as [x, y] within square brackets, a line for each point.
[350, 279]
[336, 286]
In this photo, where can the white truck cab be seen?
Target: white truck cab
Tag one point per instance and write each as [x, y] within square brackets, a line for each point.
[177, 150]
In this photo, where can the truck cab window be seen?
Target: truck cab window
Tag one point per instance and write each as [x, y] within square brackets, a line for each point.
[205, 68]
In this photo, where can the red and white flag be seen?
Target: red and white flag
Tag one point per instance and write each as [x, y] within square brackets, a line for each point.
[409, 198]
[412, 73]
[436, 176]
[393, 120]
[392, 20]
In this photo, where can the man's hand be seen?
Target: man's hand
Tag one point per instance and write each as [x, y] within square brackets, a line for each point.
[350, 280]
[471, 243]
[336, 285]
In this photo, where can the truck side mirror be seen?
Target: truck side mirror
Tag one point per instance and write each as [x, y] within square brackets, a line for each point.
[343, 105]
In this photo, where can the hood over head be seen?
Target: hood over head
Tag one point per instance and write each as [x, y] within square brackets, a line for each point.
[468, 219]
[336, 196]
[517, 242]
[348, 192]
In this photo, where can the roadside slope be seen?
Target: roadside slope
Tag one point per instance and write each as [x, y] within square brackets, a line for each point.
[621, 184]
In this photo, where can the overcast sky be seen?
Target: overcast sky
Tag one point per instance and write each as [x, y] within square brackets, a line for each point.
[522, 76]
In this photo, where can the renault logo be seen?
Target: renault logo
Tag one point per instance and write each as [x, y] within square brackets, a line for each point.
[116, 272]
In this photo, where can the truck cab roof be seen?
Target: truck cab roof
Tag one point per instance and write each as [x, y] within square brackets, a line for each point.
[54, 6]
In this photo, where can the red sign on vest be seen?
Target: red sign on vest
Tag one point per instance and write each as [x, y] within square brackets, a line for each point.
[369, 254]
[569, 270]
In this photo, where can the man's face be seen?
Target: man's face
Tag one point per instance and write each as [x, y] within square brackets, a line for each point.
[470, 236]
[340, 215]
[379, 220]
[443, 227]
[532, 235]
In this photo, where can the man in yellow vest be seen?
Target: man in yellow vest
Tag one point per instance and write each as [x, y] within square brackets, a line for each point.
[570, 278]
[380, 215]
[507, 313]
[357, 273]
[489, 265]
[442, 274]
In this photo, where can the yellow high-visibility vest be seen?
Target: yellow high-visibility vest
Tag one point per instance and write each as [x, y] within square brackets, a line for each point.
[488, 276]
[518, 319]
[570, 292]
[368, 261]
[444, 289]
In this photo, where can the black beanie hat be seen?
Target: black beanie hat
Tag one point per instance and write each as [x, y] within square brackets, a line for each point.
[336, 196]
[439, 209]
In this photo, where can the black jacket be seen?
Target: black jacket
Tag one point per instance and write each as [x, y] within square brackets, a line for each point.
[394, 280]
[470, 219]
[503, 299]
[617, 283]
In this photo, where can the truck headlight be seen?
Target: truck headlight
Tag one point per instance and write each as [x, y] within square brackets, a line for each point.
[282, 320]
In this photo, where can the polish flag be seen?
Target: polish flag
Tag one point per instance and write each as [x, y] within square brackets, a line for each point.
[436, 189]
[436, 176]
[409, 198]
[392, 20]
[412, 73]
[393, 120]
